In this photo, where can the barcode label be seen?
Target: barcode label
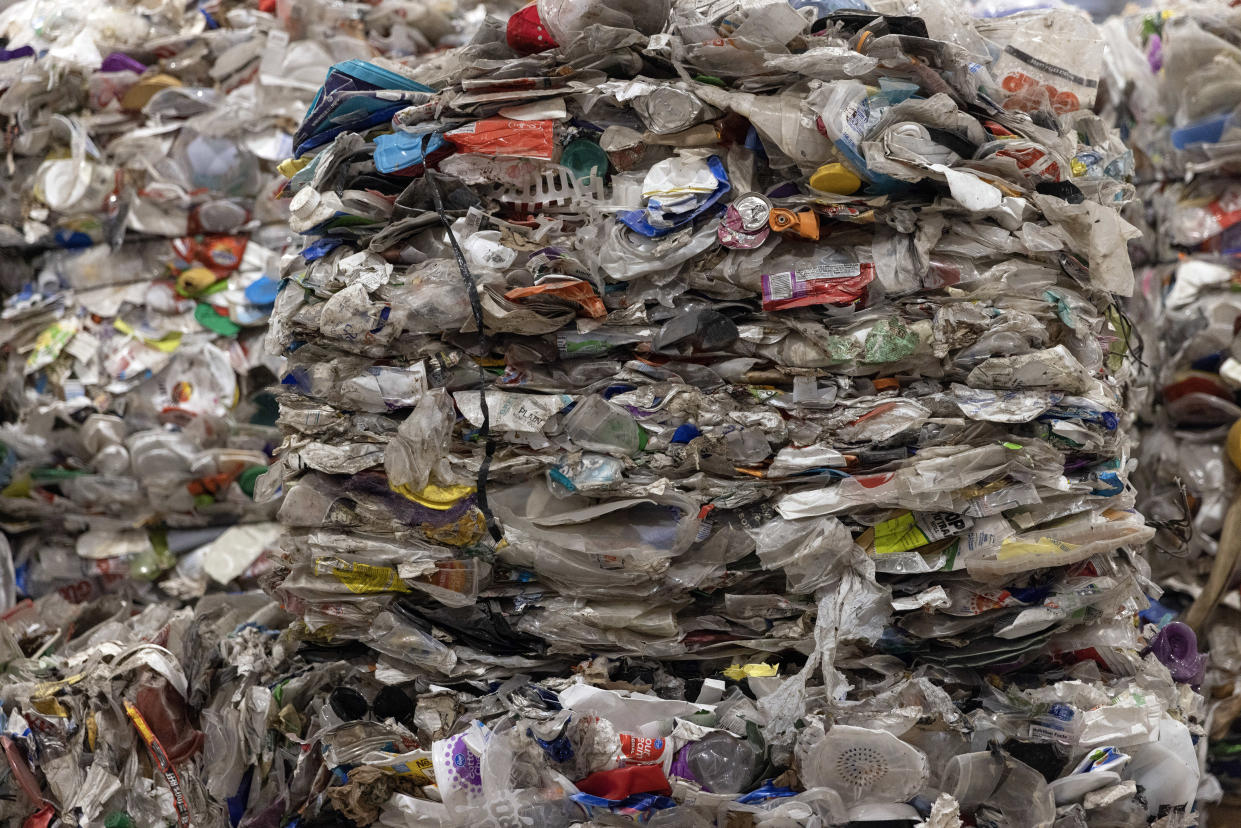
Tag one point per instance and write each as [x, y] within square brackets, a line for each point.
[778, 286]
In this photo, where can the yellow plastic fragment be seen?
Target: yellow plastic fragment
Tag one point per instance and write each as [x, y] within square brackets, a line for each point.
[739, 671]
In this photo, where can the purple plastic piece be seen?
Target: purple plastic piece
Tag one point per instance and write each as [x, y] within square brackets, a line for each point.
[1154, 53]
[1176, 647]
[14, 54]
[680, 767]
[118, 62]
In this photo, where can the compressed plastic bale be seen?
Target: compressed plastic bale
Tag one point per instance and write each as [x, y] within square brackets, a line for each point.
[589, 462]
[142, 233]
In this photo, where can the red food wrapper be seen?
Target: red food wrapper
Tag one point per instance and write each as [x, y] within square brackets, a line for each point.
[503, 136]
[526, 33]
[826, 284]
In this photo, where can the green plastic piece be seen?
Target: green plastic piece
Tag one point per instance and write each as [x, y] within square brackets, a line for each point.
[249, 477]
[208, 318]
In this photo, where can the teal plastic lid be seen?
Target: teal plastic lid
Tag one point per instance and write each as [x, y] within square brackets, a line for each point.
[584, 157]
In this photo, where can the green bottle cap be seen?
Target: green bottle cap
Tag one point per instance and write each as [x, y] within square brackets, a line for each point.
[249, 477]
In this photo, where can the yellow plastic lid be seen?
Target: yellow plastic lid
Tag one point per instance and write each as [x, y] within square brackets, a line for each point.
[1233, 444]
[835, 178]
[141, 92]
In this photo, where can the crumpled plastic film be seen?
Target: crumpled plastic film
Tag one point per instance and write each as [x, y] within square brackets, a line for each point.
[1169, 72]
[721, 414]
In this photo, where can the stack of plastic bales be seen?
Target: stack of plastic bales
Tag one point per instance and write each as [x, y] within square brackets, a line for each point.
[718, 414]
[1174, 74]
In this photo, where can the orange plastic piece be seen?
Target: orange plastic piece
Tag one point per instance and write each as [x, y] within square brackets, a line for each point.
[801, 223]
[578, 292]
[887, 384]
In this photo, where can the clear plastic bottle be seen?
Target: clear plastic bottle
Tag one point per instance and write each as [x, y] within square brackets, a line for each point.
[722, 762]
[598, 425]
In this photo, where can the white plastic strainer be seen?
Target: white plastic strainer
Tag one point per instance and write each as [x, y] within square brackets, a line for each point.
[865, 765]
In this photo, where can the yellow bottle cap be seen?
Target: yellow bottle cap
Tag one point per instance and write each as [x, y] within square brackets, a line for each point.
[290, 167]
[835, 178]
[1233, 444]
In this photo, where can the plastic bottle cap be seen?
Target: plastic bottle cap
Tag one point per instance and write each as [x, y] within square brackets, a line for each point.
[249, 477]
[835, 178]
[304, 203]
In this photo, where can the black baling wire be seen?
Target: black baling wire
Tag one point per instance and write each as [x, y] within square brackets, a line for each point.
[476, 306]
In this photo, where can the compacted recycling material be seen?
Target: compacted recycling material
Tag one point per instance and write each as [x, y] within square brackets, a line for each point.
[599, 412]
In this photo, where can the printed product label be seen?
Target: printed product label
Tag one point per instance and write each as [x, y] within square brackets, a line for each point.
[642, 749]
[818, 285]
[907, 531]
